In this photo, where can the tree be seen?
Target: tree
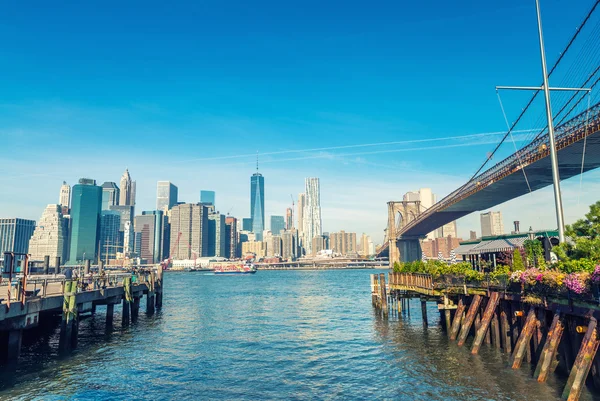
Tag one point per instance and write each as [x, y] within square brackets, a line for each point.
[517, 260]
[587, 227]
[533, 251]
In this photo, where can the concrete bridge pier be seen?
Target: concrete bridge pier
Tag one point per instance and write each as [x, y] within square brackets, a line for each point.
[409, 249]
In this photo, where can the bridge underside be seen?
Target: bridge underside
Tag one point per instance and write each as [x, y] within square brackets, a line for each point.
[539, 174]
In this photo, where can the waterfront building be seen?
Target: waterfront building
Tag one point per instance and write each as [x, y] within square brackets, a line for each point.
[15, 234]
[246, 224]
[126, 235]
[432, 248]
[110, 195]
[277, 224]
[257, 203]
[258, 248]
[312, 211]
[127, 186]
[207, 197]
[166, 195]
[231, 238]
[447, 230]
[217, 240]
[51, 235]
[86, 204]
[189, 230]
[343, 243]
[289, 218]
[65, 196]
[491, 224]
[319, 243]
[289, 244]
[110, 242]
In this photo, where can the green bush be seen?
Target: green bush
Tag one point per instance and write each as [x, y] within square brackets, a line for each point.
[517, 260]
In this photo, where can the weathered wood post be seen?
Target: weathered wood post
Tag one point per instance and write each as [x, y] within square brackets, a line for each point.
[522, 344]
[505, 328]
[150, 295]
[469, 318]
[127, 298]
[424, 311]
[57, 265]
[485, 322]
[460, 309]
[583, 362]
[373, 290]
[383, 289]
[548, 354]
[159, 286]
[14, 345]
[110, 311]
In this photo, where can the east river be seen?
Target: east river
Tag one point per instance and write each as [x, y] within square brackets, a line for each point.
[301, 335]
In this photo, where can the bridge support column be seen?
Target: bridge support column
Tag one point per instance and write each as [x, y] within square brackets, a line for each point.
[409, 249]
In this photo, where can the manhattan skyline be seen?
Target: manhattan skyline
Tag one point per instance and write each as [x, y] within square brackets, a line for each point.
[111, 114]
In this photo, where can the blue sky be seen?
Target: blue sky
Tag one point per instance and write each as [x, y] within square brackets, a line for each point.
[189, 92]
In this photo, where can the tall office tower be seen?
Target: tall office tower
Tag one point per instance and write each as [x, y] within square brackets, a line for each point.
[50, 237]
[149, 235]
[246, 224]
[109, 243]
[166, 195]
[14, 236]
[257, 203]
[110, 195]
[364, 245]
[127, 196]
[447, 230]
[189, 231]
[126, 238]
[301, 205]
[65, 195]
[231, 236]
[491, 224]
[277, 224]
[343, 243]
[312, 212]
[86, 204]
[289, 218]
[217, 239]
[427, 199]
[207, 197]
[289, 244]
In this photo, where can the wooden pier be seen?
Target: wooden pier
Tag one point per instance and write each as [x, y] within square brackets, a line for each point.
[553, 333]
[28, 300]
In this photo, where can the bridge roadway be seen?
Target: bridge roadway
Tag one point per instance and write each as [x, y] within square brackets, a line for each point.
[505, 180]
[45, 295]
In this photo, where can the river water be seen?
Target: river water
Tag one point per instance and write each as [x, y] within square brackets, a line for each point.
[274, 335]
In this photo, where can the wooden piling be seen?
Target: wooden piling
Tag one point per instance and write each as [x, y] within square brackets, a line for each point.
[110, 310]
[488, 314]
[69, 317]
[460, 309]
[505, 328]
[548, 354]
[383, 289]
[469, 318]
[522, 344]
[583, 362]
[424, 311]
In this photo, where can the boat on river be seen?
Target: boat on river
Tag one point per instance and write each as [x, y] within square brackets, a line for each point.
[235, 268]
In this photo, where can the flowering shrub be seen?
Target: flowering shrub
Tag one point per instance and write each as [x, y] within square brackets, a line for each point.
[595, 277]
[577, 282]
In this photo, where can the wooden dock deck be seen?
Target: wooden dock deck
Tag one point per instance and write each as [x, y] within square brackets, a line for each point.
[553, 332]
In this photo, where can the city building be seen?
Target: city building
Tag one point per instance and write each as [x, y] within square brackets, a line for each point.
[51, 236]
[110, 241]
[110, 195]
[217, 239]
[257, 203]
[491, 224]
[289, 244]
[447, 230]
[312, 212]
[246, 224]
[86, 204]
[427, 199]
[189, 231]
[432, 247]
[166, 195]
[127, 195]
[207, 197]
[365, 245]
[231, 237]
[472, 235]
[289, 218]
[126, 233]
[343, 243]
[15, 234]
[65, 196]
[149, 235]
[319, 243]
[273, 245]
[258, 248]
[301, 206]
[277, 224]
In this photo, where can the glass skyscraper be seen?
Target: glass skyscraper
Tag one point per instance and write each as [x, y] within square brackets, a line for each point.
[110, 195]
[277, 224]
[247, 224]
[257, 204]
[312, 212]
[110, 243]
[15, 235]
[166, 195]
[207, 197]
[86, 203]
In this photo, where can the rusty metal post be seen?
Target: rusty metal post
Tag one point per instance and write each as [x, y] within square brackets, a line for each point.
[468, 322]
[485, 322]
